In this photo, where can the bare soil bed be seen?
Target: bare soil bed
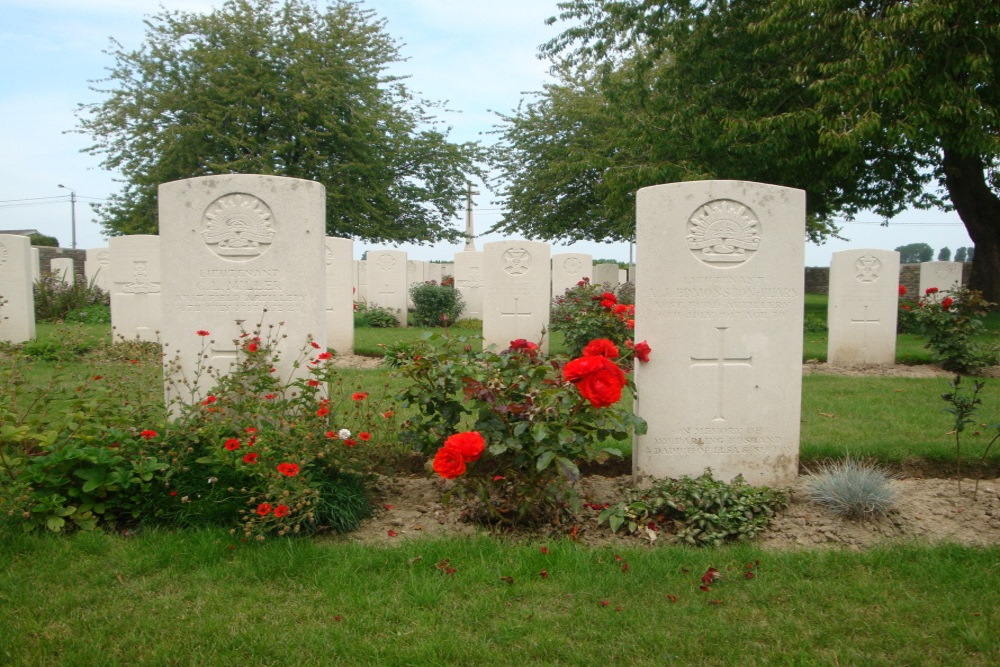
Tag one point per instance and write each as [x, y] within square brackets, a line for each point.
[927, 510]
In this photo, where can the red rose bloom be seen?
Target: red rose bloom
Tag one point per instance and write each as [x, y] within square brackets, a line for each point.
[601, 347]
[931, 290]
[902, 290]
[599, 379]
[522, 344]
[280, 511]
[323, 356]
[209, 400]
[365, 435]
[252, 347]
[313, 383]
[469, 445]
[202, 332]
[232, 444]
[263, 509]
[288, 469]
[148, 434]
[323, 411]
[350, 442]
[642, 351]
[448, 463]
[359, 396]
[250, 458]
[946, 304]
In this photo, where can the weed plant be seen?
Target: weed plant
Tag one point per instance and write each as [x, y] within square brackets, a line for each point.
[55, 299]
[852, 488]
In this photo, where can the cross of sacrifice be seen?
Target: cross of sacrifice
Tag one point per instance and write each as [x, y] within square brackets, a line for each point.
[720, 361]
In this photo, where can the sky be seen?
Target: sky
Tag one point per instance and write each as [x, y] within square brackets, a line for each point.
[478, 55]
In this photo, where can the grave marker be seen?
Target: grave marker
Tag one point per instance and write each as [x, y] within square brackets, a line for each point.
[387, 286]
[339, 294]
[135, 286]
[17, 298]
[516, 291]
[946, 276]
[863, 306]
[720, 302]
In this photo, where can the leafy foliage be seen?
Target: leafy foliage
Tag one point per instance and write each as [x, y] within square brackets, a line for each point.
[55, 299]
[372, 315]
[861, 104]
[951, 321]
[435, 305]
[43, 240]
[963, 408]
[537, 427]
[915, 253]
[277, 87]
[852, 488]
[701, 511]
[587, 312]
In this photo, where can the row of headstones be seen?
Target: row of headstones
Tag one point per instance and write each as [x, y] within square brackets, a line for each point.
[719, 300]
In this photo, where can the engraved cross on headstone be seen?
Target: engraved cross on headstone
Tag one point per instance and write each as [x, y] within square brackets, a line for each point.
[516, 313]
[720, 361]
[864, 321]
[223, 355]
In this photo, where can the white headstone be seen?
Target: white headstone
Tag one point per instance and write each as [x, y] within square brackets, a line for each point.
[339, 295]
[387, 286]
[17, 299]
[97, 268]
[516, 277]
[36, 264]
[62, 268]
[434, 272]
[606, 274]
[862, 309]
[946, 276]
[362, 293]
[569, 268]
[416, 273]
[720, 302]
[468, 274]
[622, 276]
[252, 253]
[136, 278]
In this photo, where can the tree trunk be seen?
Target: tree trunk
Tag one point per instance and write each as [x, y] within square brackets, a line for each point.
[979, 209]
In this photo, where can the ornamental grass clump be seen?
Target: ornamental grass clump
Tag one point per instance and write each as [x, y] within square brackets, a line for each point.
[852, 488]
[512, 427]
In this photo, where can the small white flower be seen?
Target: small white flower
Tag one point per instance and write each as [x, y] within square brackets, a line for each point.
[344, 434]
[213, 480]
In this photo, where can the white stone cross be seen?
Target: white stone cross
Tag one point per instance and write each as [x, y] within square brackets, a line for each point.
[720, 361]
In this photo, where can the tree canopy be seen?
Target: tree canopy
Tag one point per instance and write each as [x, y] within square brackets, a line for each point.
[915, 253]
[277, 87]
[865, 104]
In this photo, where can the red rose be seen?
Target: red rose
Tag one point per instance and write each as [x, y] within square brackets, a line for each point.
[946, 304]
[522, 344]
[148, 434]
[902, 290]
[288, 469]
[448, 463]
[599, 379]
[601, 347]
[469, 445]
[252, 347]
[642, 351]
[931, 290]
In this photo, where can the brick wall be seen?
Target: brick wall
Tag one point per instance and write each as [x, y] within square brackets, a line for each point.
[818, 278]
[47, 253]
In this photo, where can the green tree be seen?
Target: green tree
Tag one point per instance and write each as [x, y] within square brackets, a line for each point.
[277, 87]
[944, 254]
[865, 104]
[43, 240]
[960, 254]
[915, 253]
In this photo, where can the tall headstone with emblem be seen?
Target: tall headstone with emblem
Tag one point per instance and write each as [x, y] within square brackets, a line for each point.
[516, 278]
[247, 252]
[468, 274]
[339, 294]
[97, 268]
[862, 309]
[17, 300]
[720, 302]
[136, 294]
[387, 286]
[62, 268]
[945, 276]
[606, 274]
[569, 268]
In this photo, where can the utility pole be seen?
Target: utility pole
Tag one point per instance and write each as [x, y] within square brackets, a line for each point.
[72, 204]
[470, 234]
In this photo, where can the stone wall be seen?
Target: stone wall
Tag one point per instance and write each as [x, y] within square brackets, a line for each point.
[817, 278]
[47, 253]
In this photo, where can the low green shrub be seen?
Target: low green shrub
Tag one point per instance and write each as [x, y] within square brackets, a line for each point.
[852, 488]
[95, 313]
[370, 315]
[952, 321]
[700, 511]
[55, 298]
[435, 305]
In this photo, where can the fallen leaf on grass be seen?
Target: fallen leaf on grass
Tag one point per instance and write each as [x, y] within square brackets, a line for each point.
[828, 415]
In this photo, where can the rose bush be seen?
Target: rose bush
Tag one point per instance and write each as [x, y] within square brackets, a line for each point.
[953, 324]
[589, 312]
[537, 417]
